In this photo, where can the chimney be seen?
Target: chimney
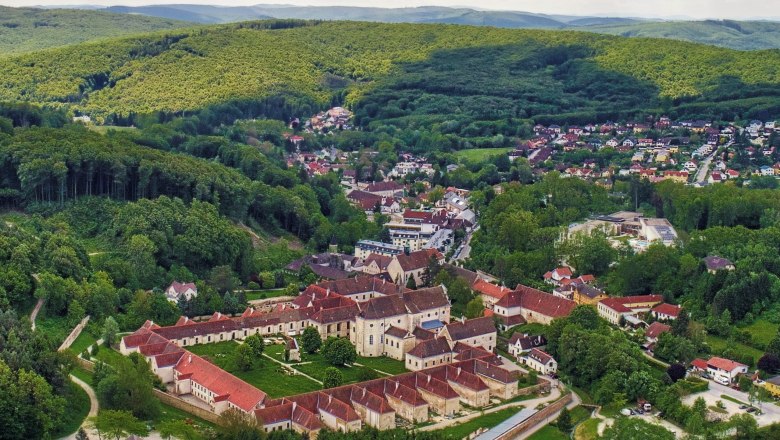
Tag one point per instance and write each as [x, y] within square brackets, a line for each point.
[295, 405]
[329, 398]
[457, 373]
[189, 360]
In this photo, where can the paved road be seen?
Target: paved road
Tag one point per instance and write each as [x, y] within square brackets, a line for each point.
[94, 407]
[770, 410]
[35, 312]
[704, 168]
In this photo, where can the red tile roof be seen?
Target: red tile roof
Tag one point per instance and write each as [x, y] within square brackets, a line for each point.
[537, 301]
[724, 364]
[701, 364]
[667, 309]
[489, 289]
[221, 383]
[655, 329]
[626, 303]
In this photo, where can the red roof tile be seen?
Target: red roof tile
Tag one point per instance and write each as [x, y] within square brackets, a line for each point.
[667, 309]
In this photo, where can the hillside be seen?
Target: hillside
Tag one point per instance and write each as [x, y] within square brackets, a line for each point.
[744, 35]
[537, 72]
[27, 29]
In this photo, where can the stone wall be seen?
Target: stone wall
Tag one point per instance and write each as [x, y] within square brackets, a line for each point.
[542, 386]
[186, 406]
[536, 418]
[74, 334]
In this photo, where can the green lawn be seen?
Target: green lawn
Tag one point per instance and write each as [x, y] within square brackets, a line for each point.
[108, 355]
[762, 331]
[549, 432]
[76, 410]
[103, 129]
[318, 365]
[588, 430]
[84, 340]
[168, 412]
[263, 294]
[480, 154]
[731, 399]
[484, 421]
[265, 374]
[718, 344]
[314, 365]
[385, 364]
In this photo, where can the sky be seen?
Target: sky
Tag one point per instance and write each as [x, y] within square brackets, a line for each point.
[692, 9]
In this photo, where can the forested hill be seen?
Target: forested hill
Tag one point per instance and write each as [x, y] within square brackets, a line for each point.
[27, 29]
[394, 70]
[744, 35]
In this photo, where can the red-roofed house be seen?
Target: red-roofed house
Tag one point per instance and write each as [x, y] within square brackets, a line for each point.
[654, 330]
[612, 309]
[724, 371]
[555, 276]
[666, 312]
[526, 304]
[489, 292]
[405, 266]
[699, 365]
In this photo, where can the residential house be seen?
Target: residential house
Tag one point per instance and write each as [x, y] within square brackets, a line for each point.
[655, 330]
[177, 291]
[666, 312]
[715, 264]
[478, 332]
[521, 343]
[526, 304]
[540, 361]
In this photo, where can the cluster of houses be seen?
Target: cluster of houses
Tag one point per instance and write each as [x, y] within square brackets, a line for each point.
[334, 118]
[655, 158]
[450, 362]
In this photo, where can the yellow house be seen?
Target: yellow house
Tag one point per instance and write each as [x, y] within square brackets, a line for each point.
[674, 149]
[585, 294]
[772, 385]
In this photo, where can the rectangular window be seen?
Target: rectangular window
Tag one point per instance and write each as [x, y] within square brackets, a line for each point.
[371, 340]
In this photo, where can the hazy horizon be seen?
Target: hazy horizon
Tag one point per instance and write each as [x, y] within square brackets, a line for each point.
[668, 9]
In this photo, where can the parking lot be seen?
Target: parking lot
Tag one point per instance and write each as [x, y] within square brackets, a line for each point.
[770, 411]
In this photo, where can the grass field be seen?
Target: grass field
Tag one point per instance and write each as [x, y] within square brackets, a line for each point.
[588, 430]
[549, 432]
[265, 374]
[480, 154]
[385, 364]
[379, 364]
[82, 342]
[718, 344]
[76, 410]
[484, 421]
[762, 331]
[103, 129]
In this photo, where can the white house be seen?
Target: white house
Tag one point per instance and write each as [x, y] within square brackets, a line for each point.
[177, 290]
[540, 361]
[724, 371]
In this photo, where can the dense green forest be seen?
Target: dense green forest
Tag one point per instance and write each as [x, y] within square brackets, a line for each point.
[27, 29]
[742, 35]
[315, 62]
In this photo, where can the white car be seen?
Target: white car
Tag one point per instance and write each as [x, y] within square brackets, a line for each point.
[722, 380]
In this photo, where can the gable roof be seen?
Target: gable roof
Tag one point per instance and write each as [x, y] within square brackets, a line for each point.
[430, 348]
[724, 364]
[471, 328]
[382, 307]
[540, 356]
[420, 300]
[489, 289]
[537, 301]
[655, 329]
[667, 309]
[626, 303]
[527, 342]
[417, 259]
[223, 384]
